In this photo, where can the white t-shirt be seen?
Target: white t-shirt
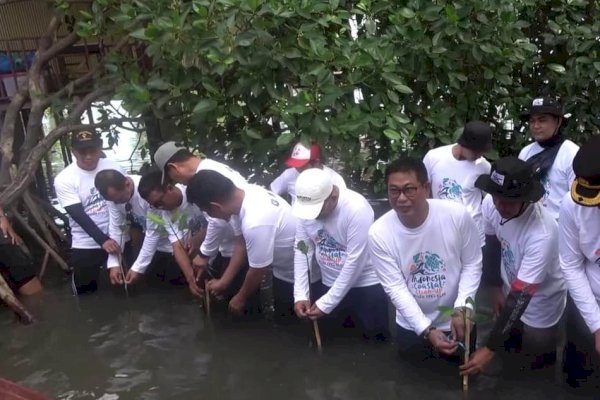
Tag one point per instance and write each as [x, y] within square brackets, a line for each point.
[560, 176]
[453, 179]
[286, 182]
[579, 247]
[340, 241]
[421, 269]
[74, 185]
[155, 236]
[269, 228]
[219, 233]
[530, 254]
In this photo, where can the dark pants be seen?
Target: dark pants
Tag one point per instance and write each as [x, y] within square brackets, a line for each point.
[283, 299]
[582, 364]
[415, 348]
[363, 307]
[164, 269]
[15, 266]
[87, 263]
[216, 270]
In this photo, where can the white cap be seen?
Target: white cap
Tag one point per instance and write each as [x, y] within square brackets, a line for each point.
[313, 187]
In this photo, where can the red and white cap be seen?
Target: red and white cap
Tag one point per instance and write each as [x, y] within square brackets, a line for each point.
[302, 155]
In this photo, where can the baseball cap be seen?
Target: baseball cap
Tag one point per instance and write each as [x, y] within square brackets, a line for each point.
[302, 155]
[163, 154]
[313, 187]
[585, 190]
[543, 105]
[84, 139]
[476, 136]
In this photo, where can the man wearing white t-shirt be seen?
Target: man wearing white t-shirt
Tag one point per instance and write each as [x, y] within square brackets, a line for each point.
[302, 158]
[264, 223]
[427, 254]
[579, 247]
[334, 224]
[550, 156]
[178, 165]
[532, 298]
[87, 210]
[127, 209]
[452, 169]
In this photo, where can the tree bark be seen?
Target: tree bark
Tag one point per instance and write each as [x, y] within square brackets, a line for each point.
[7, 295]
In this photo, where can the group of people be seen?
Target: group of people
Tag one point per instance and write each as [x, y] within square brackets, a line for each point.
[526, 229]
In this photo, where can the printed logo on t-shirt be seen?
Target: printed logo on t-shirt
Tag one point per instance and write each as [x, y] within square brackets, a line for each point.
[450, 189]
[508, 260]
[428, 275]
[329, 252]
[546, 184]
[94, 203]
[597, 259]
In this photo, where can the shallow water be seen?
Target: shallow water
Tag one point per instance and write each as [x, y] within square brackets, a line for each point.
[161, 345]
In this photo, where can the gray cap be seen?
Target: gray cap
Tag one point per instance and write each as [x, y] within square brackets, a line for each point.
[163, 154]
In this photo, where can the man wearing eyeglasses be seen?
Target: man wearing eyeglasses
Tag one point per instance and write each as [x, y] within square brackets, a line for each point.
[334, 224]
[127, 209]
[579, 253]
[427, 254]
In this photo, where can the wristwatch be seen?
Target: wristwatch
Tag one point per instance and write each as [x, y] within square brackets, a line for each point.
[427, 331]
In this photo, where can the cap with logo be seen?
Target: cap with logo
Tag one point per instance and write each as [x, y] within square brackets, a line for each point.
[302, 155]
[163, 154]
[585, 190]
[313, 187]
[511, 178]
[543, 105]
[85, 139]
[476, 136]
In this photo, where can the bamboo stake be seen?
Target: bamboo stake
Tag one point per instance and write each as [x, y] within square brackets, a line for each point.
[123, 274]
[206, 298]
[317, 336]
[465, 380]
[9, 298]
[44, 265]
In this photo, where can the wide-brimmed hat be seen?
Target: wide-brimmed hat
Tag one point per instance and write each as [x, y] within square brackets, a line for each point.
[313, 187]
[302, 155]
[476, 136]
[543, 105]
[85, 139]
[585, 190]
[512, 179]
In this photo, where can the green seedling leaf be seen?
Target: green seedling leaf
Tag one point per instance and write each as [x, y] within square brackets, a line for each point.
[156, 219]
[302, 247]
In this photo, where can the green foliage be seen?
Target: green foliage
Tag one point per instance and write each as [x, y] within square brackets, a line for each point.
[243, 79]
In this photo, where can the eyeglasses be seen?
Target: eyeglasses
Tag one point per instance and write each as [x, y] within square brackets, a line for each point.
[409, 191]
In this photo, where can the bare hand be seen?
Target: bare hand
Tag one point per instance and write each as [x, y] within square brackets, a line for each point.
[478, 362]
[314, 313]
[199, 264]
[112, 247]
[237, 305]
[597, 341]
[457, 325]
[195, 289]
[8, 232]
[441, 343]
[217, 286]
[132, 277]
[301, 308]
[498, 301]
[115, 275]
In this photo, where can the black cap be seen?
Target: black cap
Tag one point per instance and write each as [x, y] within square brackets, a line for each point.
[511, 178]
[476, 136]
[585, 190]
[85, 139]
[543, 105]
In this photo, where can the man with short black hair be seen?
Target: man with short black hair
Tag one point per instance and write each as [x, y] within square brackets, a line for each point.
[531, 299]
[427, 254]
[87, 210]
[453, 168]
[264, 227]
[579, 247]
[127, 210]
[550, 156]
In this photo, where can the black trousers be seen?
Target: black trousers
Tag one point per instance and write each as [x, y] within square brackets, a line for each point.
[15, 266]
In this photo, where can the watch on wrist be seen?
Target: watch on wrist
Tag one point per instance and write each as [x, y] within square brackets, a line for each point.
[427, 331]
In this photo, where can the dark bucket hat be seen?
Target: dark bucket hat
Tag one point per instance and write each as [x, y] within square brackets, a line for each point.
[585, 190]
[512, 179]
[476, 136]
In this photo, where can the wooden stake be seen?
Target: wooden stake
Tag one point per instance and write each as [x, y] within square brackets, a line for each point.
[317, 336]
[44, 265]
[465, 380]
[9, 298]
[206, 298]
